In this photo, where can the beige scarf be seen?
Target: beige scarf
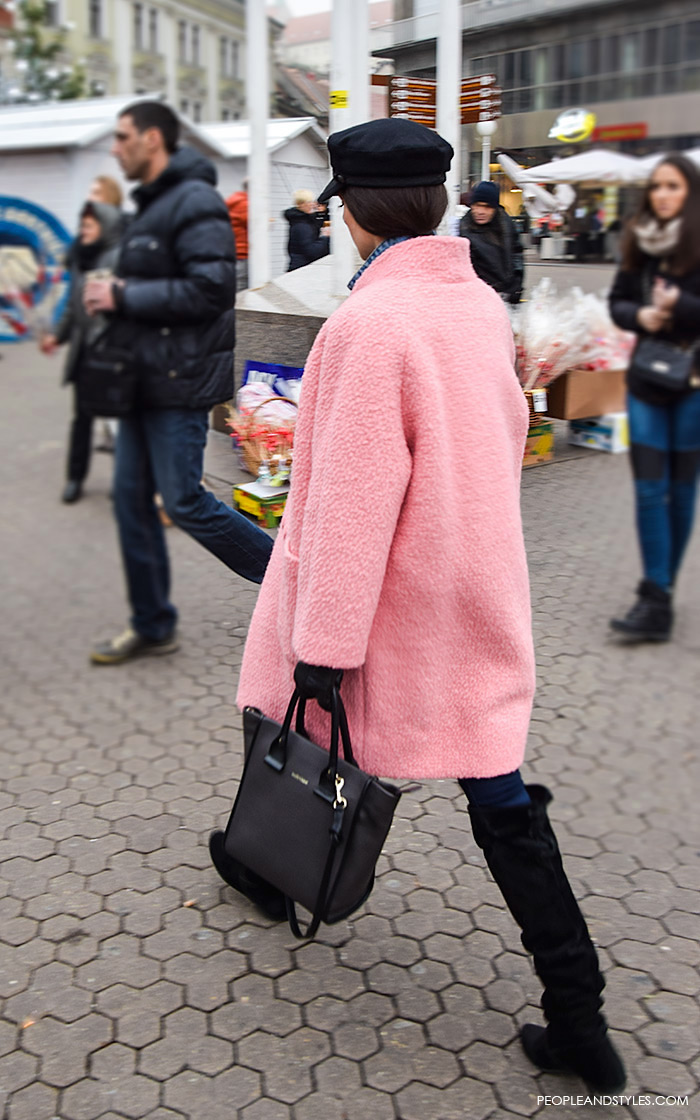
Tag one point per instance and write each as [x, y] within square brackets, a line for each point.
[655, 239]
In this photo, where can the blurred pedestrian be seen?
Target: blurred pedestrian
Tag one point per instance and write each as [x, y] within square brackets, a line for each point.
[238, 213]
[106, 189]
[437, 668]
[308, 240]
[96, 247]
[656, 293]
[171, 310]
[496, 249]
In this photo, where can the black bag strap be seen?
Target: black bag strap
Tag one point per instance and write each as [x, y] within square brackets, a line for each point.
[335, 832]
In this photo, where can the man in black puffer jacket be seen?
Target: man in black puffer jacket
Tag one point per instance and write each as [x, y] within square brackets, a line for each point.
[171, 308]
[496, 249]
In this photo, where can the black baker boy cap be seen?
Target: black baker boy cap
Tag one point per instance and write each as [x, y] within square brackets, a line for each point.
[386, 153]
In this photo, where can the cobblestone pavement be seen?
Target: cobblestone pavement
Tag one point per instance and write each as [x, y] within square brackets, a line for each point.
[134, 984]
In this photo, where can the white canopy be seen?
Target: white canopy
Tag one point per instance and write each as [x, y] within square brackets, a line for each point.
[648, 163]
[598, 167]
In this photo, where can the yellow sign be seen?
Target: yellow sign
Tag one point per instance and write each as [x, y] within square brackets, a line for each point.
[339, 99]
[573, 126]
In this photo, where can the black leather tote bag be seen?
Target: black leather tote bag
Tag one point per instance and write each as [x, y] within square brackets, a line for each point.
[309, 822]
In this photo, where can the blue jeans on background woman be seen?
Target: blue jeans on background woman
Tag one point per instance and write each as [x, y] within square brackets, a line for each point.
[665, 445]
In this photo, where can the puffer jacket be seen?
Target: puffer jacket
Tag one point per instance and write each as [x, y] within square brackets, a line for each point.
[75, 326]
[175, 312]
[497, 253]
[306, 242]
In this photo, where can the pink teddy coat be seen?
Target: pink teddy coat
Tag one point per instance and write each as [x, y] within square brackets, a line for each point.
[400, 557]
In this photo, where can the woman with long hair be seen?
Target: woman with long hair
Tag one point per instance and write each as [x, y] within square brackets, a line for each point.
[409, 582]
[656, 293]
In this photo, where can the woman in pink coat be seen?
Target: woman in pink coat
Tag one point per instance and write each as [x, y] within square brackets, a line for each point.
[400, 565]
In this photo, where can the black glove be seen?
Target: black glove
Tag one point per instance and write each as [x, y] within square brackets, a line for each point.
[315, 682]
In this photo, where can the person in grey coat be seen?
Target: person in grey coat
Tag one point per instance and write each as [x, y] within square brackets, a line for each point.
[96, 248]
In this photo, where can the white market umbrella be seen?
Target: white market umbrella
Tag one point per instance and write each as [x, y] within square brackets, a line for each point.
[598, 167]
[648, 163]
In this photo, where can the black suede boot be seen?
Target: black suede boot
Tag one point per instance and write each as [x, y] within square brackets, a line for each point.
[266, 897]
[523, 856]
[651, 617]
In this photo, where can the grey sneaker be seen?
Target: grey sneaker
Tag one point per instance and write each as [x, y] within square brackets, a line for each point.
[128, 645]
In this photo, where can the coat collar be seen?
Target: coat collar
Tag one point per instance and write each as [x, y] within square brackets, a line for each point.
[443, 259]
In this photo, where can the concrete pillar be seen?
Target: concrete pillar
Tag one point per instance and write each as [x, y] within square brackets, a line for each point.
[123, 35]
[169, 48]
[258, 100]
[449, 79]
[349, 100]
[211, 55]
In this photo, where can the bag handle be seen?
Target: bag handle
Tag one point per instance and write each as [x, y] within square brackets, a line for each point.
[335, 832]
[330, 784]
[277, 754]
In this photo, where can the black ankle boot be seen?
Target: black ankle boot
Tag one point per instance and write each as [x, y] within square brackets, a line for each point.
[523, 856]
[651, 617]
[72, 491]
[266, 897]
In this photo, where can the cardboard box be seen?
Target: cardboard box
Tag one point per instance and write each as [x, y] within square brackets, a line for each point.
[604, 433]
[539, 445]
[584, 393]
[263, 502]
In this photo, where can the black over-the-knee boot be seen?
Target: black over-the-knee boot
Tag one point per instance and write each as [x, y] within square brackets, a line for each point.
[523, 856]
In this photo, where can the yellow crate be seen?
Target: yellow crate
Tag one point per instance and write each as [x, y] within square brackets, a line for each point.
[262, 502]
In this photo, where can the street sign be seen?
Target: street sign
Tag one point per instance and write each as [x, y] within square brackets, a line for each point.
[413, 99]
[473, 116]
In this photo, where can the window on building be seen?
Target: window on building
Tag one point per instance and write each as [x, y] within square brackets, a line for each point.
[184, 106]
[526, 67]
[153, 30]
[195, 45]
[692, 40]
[576, 67]
[671, 45]
[226, 114]
[223, 57]
[235, 59]
[138, 27]
[95, 19]
[52, 13]
[182, 40]
[197, 112]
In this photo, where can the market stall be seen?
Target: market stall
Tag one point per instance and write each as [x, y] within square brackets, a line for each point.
[571, 361]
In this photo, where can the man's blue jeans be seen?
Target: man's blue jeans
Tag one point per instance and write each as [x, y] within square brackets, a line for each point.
[665, 447]
[162, 450]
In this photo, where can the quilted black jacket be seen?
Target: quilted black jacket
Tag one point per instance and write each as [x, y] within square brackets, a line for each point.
[175, 313]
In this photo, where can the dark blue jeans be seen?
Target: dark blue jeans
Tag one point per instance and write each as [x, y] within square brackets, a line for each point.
[665, 455]
[162, 450]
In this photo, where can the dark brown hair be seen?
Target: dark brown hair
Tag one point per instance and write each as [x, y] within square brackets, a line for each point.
[686, 256]
[396, 211]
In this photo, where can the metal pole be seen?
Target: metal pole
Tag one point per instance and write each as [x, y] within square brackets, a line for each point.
[349, 101]
[486, 157]
[258, 97]
[449, 78]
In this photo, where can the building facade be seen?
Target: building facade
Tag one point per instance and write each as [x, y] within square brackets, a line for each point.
[632, 65]
[190, 51]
